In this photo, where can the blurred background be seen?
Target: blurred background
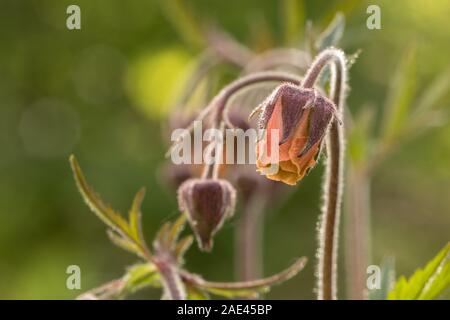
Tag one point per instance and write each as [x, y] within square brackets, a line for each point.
[104, 92]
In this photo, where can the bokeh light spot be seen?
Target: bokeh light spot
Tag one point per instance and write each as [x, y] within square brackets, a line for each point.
[153, 80]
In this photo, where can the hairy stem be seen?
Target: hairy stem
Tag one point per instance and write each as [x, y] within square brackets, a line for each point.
[218, 106]
[219, 103]
[171, 280]
[108, 290]
[284, 275]
[329, 220]
[221, 100]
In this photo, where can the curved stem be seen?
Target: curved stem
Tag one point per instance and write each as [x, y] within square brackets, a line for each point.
[220, 102]
[219, 106]
[284, 275]
[171, 280]
[212, 170]
[329, 221]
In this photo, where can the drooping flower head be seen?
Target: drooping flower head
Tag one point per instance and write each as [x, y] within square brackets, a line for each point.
[297, 118]
[207, 204]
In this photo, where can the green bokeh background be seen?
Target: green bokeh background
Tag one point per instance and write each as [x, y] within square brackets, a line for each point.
[103, 93]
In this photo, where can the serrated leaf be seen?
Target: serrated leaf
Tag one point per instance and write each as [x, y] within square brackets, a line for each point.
[161, 237]
[176, 229]
[124, 243]
[194, 293]
[110, 217]
[107, 291]
[400, 98]
[238, 293]
[137, 277]
[135, 216]
[141, 276]
[440, 286]
[169, 232]
[182, 246]
[427, 283]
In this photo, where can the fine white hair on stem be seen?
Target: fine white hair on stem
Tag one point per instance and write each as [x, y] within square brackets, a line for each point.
[328, 225]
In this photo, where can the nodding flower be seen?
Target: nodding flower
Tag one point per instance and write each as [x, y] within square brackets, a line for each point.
[207, 204]
[298, 118]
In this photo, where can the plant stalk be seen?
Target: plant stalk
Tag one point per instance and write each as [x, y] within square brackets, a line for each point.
[171, 280]
[333, 182]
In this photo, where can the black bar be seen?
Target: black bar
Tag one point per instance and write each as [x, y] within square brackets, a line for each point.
[226, 309]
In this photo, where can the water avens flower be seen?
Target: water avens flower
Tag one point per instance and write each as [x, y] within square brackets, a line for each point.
[207, 203]
[298, 119]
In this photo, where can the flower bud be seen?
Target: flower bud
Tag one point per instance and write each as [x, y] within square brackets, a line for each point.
[301, 117]
[207, 203]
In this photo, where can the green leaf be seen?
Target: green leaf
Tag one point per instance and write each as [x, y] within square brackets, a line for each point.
[167, 235]
[194, 293]
[137, 277]
[135, 216]
[112, 218]
[140, 276]
[400, 98]
[239, 293]
[176, 229]
[124, 243]
[126, 235]
[161, 237]
[427, 283]
[182, 246]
